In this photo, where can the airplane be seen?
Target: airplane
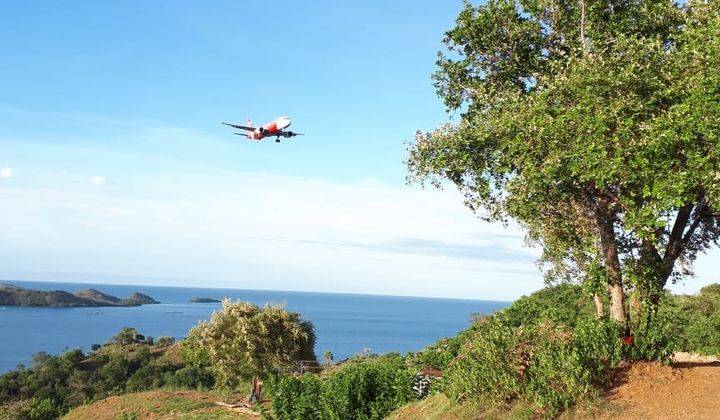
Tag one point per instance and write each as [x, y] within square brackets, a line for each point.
[272, 129]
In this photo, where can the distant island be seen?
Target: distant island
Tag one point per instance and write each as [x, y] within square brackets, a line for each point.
[204, 300]
[17, 296]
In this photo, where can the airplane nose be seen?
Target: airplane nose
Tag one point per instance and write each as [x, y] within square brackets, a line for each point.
[283, 123]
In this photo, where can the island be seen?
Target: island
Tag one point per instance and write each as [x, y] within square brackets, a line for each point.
[204, 300]
[11, 295]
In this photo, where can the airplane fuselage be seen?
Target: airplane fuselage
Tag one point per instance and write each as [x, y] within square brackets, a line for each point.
[270, 129]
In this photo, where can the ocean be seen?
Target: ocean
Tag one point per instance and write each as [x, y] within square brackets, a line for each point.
[344, 323]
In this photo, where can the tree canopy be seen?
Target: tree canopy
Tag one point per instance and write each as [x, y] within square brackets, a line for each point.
[593, 124]
[243, 340]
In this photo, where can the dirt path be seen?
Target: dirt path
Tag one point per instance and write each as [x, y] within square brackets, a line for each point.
[688, 389]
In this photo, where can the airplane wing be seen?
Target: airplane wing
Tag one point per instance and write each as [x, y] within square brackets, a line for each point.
[241, 127]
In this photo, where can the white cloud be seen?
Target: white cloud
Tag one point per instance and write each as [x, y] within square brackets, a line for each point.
[237, 229]
[98, 180]
[6, 172]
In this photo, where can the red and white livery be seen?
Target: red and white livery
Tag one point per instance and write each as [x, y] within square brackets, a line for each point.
[272, 129]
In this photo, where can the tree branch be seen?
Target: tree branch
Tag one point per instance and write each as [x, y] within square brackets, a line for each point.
[675, 241]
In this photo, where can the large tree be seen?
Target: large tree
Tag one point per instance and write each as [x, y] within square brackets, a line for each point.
[244, 341]
[593, 124]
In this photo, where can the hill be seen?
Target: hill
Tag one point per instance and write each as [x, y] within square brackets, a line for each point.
[159, 405]
[18, 296]
[684, 389]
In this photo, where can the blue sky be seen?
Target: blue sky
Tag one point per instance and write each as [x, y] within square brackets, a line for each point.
[114, 168]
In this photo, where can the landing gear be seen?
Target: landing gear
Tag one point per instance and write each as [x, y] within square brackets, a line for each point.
[277, 140]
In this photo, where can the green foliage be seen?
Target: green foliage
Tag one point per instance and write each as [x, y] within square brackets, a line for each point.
[369, 389]
[33, 409]
[547, 365]
[193, 351]
[562, 304]
[54, 384]
[565, 368]
[489, 364]
[440, 354]
[594, 125]
[299, 398]
[127, 336]
[656, 336]
[244, 340]
[702, 334]
[165, 341]
[190, 377]
[699, 317]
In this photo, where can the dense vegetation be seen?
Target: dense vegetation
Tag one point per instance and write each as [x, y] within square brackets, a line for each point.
[130, 362]
[543, 353]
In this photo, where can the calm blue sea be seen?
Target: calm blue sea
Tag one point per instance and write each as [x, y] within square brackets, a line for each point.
[345, 324]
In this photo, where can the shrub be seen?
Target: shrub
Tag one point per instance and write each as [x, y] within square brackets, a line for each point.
[656, 336]
[244, 340]
[299, 398]
[489, 364]
[702, 334]
[368, 389]
[32, 409]
[127, 336]
[164, 341]
[562, 304]
[547, 365]
[566, 366]
[440, 354]
[190, 377]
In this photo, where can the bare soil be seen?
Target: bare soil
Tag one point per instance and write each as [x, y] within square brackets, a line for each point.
[688, 388]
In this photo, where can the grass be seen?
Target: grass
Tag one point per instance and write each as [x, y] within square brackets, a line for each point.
[158, 405]
[438, 407]
[435, 407]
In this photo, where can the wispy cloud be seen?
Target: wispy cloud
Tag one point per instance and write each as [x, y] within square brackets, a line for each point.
[487, 248]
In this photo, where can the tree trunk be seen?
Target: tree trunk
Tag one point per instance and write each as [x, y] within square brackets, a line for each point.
[599, 310]
[612, 265]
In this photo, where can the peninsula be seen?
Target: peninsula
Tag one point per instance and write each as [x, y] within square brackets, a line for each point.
[18, 296]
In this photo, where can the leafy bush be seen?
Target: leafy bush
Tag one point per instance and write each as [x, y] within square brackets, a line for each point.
[567, 366]
[547, 365]
[438, 355]
[190, 377]
[243, 340]
[299, 397]
[656, 336]
[700, 320]
[702, 334]
[364, 390]
[562, 304]
[164, 341]
[32, 409]
[489, 365]
[54, 384]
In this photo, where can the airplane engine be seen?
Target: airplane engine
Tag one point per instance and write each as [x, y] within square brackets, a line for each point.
[288, 134]
[261, 130]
